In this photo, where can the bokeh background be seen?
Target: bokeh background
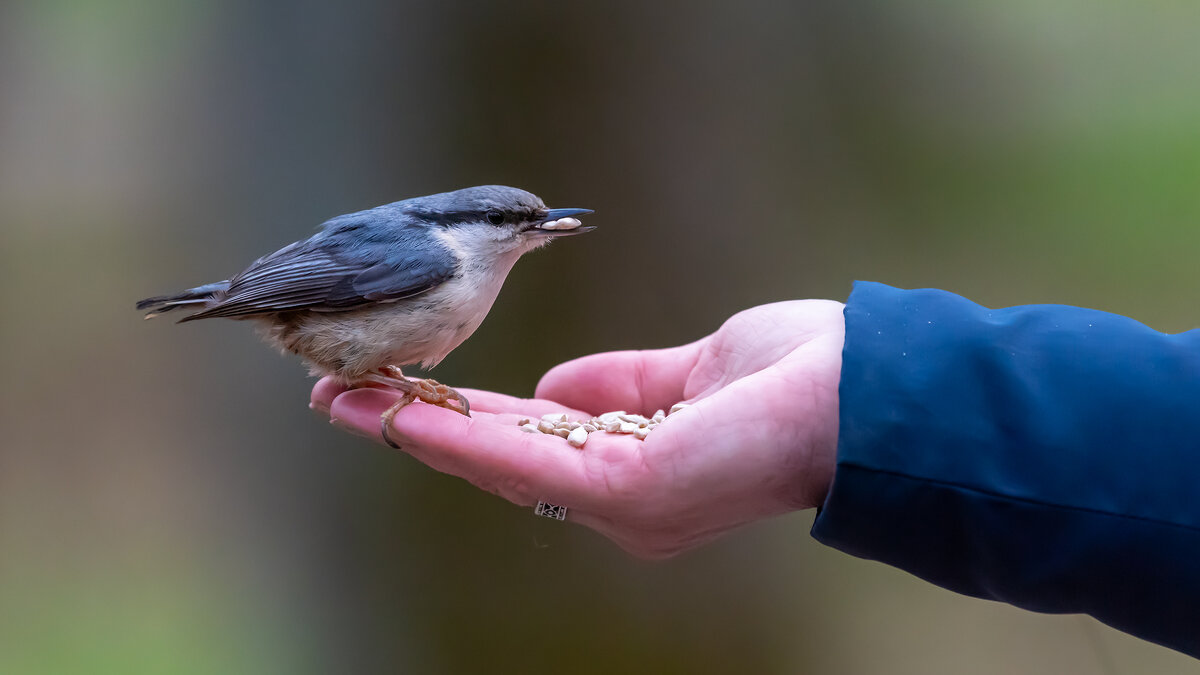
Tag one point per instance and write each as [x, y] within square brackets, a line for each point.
[169, 505]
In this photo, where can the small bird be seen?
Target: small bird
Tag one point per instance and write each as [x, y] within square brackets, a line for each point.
[399, 284]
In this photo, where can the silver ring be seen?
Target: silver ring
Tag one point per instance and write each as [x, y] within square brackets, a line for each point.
[550, 511]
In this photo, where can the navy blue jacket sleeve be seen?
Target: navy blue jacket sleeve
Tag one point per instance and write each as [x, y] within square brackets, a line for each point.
[1043, 456]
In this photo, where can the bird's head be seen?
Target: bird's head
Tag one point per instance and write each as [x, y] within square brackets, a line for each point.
[494, 218]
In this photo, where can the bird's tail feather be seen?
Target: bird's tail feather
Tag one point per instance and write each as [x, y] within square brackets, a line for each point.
[193, 297]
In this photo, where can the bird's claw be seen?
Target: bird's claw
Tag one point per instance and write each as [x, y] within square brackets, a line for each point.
[429, 391]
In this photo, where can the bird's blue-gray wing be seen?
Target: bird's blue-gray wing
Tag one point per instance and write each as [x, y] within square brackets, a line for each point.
[334, 273]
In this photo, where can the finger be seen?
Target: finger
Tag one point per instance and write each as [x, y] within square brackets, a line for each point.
[637, 381]
[494, 402]
[493, 454]
[324, 391]
[593, 521]
[328, 388]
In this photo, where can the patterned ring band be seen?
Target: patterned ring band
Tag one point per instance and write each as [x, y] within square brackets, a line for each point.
[550, 511]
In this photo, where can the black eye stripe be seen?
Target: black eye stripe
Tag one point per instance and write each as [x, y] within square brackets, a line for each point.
[458, 217]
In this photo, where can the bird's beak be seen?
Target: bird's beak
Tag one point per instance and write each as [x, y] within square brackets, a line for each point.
[561, 223]
[555, 214]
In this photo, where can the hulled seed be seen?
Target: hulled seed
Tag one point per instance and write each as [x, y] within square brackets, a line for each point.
[616, 421]
[577, 437]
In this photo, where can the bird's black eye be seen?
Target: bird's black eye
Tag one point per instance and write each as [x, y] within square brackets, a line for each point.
[495, 217]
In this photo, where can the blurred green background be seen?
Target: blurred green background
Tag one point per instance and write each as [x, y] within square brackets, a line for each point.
[169, 505]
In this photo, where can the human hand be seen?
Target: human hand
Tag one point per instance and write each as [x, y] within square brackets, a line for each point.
[759, 440]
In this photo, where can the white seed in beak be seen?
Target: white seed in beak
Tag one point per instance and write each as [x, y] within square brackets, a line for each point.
[561, 224]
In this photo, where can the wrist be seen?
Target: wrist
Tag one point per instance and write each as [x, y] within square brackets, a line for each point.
[824, 444]
[817, 412]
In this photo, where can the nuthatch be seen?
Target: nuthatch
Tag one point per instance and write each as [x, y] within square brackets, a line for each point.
[399, 284]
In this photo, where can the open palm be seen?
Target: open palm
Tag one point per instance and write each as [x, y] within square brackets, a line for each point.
[758, 440]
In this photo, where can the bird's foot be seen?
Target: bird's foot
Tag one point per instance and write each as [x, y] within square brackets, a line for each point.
[429, 391]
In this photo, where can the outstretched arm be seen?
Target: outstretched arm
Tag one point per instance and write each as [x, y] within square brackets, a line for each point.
[1044, 456]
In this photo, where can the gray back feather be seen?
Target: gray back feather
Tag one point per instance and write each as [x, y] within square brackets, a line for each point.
[378, 255]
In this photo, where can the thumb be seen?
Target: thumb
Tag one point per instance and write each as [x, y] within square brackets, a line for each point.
[638, 381]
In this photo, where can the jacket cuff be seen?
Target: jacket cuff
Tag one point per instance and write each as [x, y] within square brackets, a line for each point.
[1040, 455]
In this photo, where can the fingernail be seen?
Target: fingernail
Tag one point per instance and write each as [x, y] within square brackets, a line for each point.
[318, 408]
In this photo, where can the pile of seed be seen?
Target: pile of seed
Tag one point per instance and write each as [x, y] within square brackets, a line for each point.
[615, 422]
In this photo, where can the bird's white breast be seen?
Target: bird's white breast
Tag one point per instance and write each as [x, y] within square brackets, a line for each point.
[422, 329]
[427, 328]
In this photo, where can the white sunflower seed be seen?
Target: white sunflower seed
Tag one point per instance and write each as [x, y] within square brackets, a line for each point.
[616, 421]
[577, 437]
